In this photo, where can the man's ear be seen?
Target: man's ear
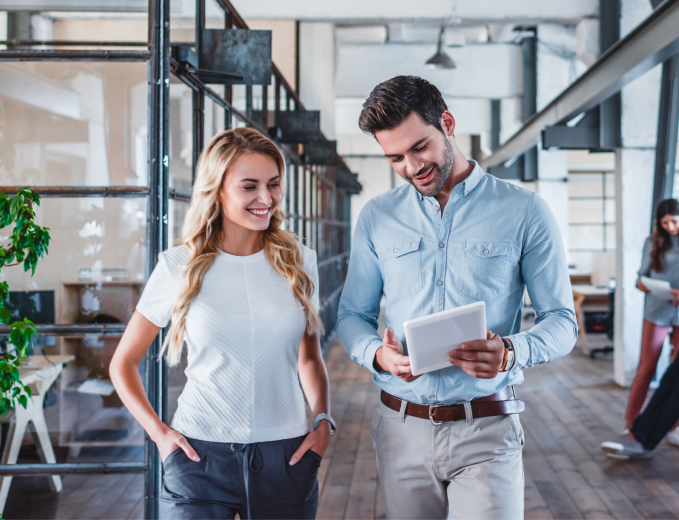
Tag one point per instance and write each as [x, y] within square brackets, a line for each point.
[448, 123]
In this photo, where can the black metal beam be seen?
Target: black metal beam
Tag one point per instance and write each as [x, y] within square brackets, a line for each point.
[32, 470]
[198, 122]
[81, 191]
[157, 228]
[583, 136]
[652, 42]
[495, 123]
[102, 329]
[181, 195]
[610, 136]
[525, 168]
[73, 55]
[668, 126]
[599, 129]
[70, 43]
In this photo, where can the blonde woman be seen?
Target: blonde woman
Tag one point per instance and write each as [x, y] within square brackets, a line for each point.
[243, 295]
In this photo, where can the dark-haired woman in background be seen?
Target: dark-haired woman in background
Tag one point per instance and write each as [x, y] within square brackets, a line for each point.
[660, 261]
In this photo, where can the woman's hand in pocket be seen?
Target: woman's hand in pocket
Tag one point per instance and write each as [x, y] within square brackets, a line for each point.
[316, 441]
[171, 440]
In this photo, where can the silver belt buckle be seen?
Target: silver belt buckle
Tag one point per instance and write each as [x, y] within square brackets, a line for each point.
[431, 415]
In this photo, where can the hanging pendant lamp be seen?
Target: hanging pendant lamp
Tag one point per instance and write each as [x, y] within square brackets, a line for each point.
[441, 60]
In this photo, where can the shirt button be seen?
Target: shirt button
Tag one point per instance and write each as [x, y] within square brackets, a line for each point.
[432, 396]
[436, 208]
[439, 283]
[396, 250]
[485, 251]
[441, 244]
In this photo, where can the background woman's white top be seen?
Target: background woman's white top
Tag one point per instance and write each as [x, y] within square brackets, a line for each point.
[243, 333]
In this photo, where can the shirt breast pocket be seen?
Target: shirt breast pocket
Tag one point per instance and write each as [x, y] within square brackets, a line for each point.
[400, 265]
[482, 268]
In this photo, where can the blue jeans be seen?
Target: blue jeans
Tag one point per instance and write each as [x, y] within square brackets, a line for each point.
[253, 480]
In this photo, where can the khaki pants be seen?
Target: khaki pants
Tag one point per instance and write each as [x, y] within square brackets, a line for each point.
[453, 470]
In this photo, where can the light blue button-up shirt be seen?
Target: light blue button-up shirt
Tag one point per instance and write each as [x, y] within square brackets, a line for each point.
[493, 240]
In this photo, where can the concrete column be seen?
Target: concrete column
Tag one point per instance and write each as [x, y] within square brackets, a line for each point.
[317, 72]
[634, 191]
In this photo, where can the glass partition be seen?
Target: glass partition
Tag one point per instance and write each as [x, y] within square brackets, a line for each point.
[73, 124]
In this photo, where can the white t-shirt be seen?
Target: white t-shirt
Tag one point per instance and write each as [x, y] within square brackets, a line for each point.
[243, 333]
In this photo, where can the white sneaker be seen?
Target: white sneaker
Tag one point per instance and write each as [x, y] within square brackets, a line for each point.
[625, 448]
[673, 437]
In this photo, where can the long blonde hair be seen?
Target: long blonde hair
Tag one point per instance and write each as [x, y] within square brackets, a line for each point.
[203, 230]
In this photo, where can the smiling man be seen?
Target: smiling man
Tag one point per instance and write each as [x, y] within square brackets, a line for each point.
[449, 442]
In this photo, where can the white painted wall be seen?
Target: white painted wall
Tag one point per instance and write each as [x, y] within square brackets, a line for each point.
[317, 72]
[634, 186]
[361, 66]
[557, 68]
[472, 116]
[483, 10]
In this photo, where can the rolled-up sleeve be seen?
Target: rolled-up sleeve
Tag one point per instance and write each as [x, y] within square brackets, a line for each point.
[545, 272]
[359, 306]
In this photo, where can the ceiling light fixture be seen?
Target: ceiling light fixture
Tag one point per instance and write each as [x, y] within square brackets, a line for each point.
[441, 60]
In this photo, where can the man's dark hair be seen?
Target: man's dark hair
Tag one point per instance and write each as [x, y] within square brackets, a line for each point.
[392, 101]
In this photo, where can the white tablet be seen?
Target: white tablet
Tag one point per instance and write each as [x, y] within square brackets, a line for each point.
[430, 338]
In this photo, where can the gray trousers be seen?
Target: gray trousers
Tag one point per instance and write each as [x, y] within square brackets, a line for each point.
[453, 470]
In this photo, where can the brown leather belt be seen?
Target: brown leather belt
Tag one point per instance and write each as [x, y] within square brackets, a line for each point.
[502, 403]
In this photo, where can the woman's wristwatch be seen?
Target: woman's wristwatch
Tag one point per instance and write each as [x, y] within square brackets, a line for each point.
[325, 416]
[508, 360]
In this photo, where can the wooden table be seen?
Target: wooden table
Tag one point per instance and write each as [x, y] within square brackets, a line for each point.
[581, 295]
[38, 372]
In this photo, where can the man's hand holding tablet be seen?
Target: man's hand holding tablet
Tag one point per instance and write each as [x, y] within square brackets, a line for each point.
[482, 358]
[389, 357]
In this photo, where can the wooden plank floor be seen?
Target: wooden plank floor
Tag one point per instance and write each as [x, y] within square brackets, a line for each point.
[572, 406]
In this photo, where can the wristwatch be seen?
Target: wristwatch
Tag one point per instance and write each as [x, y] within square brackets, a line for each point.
[508, 360]
[322, 416]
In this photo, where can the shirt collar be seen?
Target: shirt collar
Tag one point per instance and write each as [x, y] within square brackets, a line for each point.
[468, 184]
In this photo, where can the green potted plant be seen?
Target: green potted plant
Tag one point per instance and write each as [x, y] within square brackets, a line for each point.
[27, 243]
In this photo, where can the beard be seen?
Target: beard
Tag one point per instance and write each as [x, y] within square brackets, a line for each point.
[441, 172]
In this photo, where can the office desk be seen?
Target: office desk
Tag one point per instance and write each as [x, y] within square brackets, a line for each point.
[587, 294]
[39, 373]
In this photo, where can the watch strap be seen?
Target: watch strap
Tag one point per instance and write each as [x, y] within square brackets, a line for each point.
[324, 416]
[509, 356]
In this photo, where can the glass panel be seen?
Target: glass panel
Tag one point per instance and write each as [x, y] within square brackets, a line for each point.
[585, 211]
[215, 118]
[129, 23]
[586, 237]
[609, 211]
[610, 185]
[94, 271]
[181, 134]
[183, 19]
[215, 17]
[580, 263]
[86, 419]
[177, 213]
[591, 186]
[73, 124]
[610, 237]
[238, 98]
[83, 496]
